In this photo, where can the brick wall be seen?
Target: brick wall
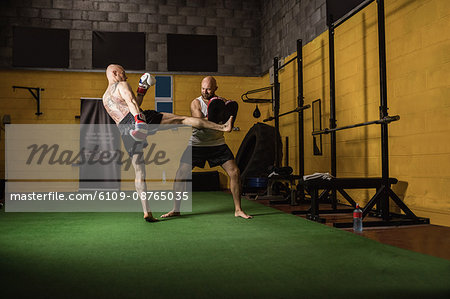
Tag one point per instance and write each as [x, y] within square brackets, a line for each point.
[283, 22]
[235, 22]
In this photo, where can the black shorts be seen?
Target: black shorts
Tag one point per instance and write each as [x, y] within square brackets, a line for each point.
[215, 155]
[127, 124]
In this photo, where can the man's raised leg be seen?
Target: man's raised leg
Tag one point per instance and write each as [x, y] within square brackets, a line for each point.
[196, 122]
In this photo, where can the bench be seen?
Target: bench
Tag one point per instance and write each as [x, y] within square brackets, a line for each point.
[339, 185]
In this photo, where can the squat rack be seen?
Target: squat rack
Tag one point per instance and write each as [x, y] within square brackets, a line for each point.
[275, 87]
[381, 197]
[300, 101]
[299, 109]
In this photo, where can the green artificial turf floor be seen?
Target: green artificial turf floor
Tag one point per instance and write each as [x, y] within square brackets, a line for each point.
[205, 254]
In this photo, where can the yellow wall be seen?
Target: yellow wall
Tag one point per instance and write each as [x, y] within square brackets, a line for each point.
[60, 101]
[418, 74]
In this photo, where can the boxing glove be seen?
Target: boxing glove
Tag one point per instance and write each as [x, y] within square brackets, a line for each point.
[145, 83]
[139, 133]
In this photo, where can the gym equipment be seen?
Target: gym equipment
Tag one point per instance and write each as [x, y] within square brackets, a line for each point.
[383, 184]
[95, 124]
[231, 109]
[256, 155]
[282, 176]
[257, 182]
[300, 108]
[246, 99]
[256, 113]
[333, 185]
[216, 110]
[255, 186]
[36, 96]
[275, 88]
[384, 120]
[317, 126]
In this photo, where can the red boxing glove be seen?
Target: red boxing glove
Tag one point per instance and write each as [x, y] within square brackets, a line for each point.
[139, 133]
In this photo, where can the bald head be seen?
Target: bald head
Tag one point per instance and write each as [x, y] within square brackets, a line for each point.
[209, 87]
[115, 73]
[210, 81]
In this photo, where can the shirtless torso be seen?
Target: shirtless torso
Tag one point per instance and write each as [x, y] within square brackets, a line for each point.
[114, 104]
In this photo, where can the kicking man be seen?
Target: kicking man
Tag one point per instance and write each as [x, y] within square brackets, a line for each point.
[123, 107]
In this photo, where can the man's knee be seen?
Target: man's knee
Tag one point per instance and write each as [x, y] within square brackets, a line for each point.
[139, 179]
[177, 119]
[234, 172]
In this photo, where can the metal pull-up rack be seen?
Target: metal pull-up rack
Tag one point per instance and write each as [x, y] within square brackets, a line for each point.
[300, 103]
[384, 192]
[275, 100]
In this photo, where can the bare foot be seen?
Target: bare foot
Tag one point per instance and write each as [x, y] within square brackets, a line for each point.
[242, 214]
[171, 214]
[228, 126]
[149, 217]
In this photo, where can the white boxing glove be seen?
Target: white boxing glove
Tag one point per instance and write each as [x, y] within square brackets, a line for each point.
[145, 83]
